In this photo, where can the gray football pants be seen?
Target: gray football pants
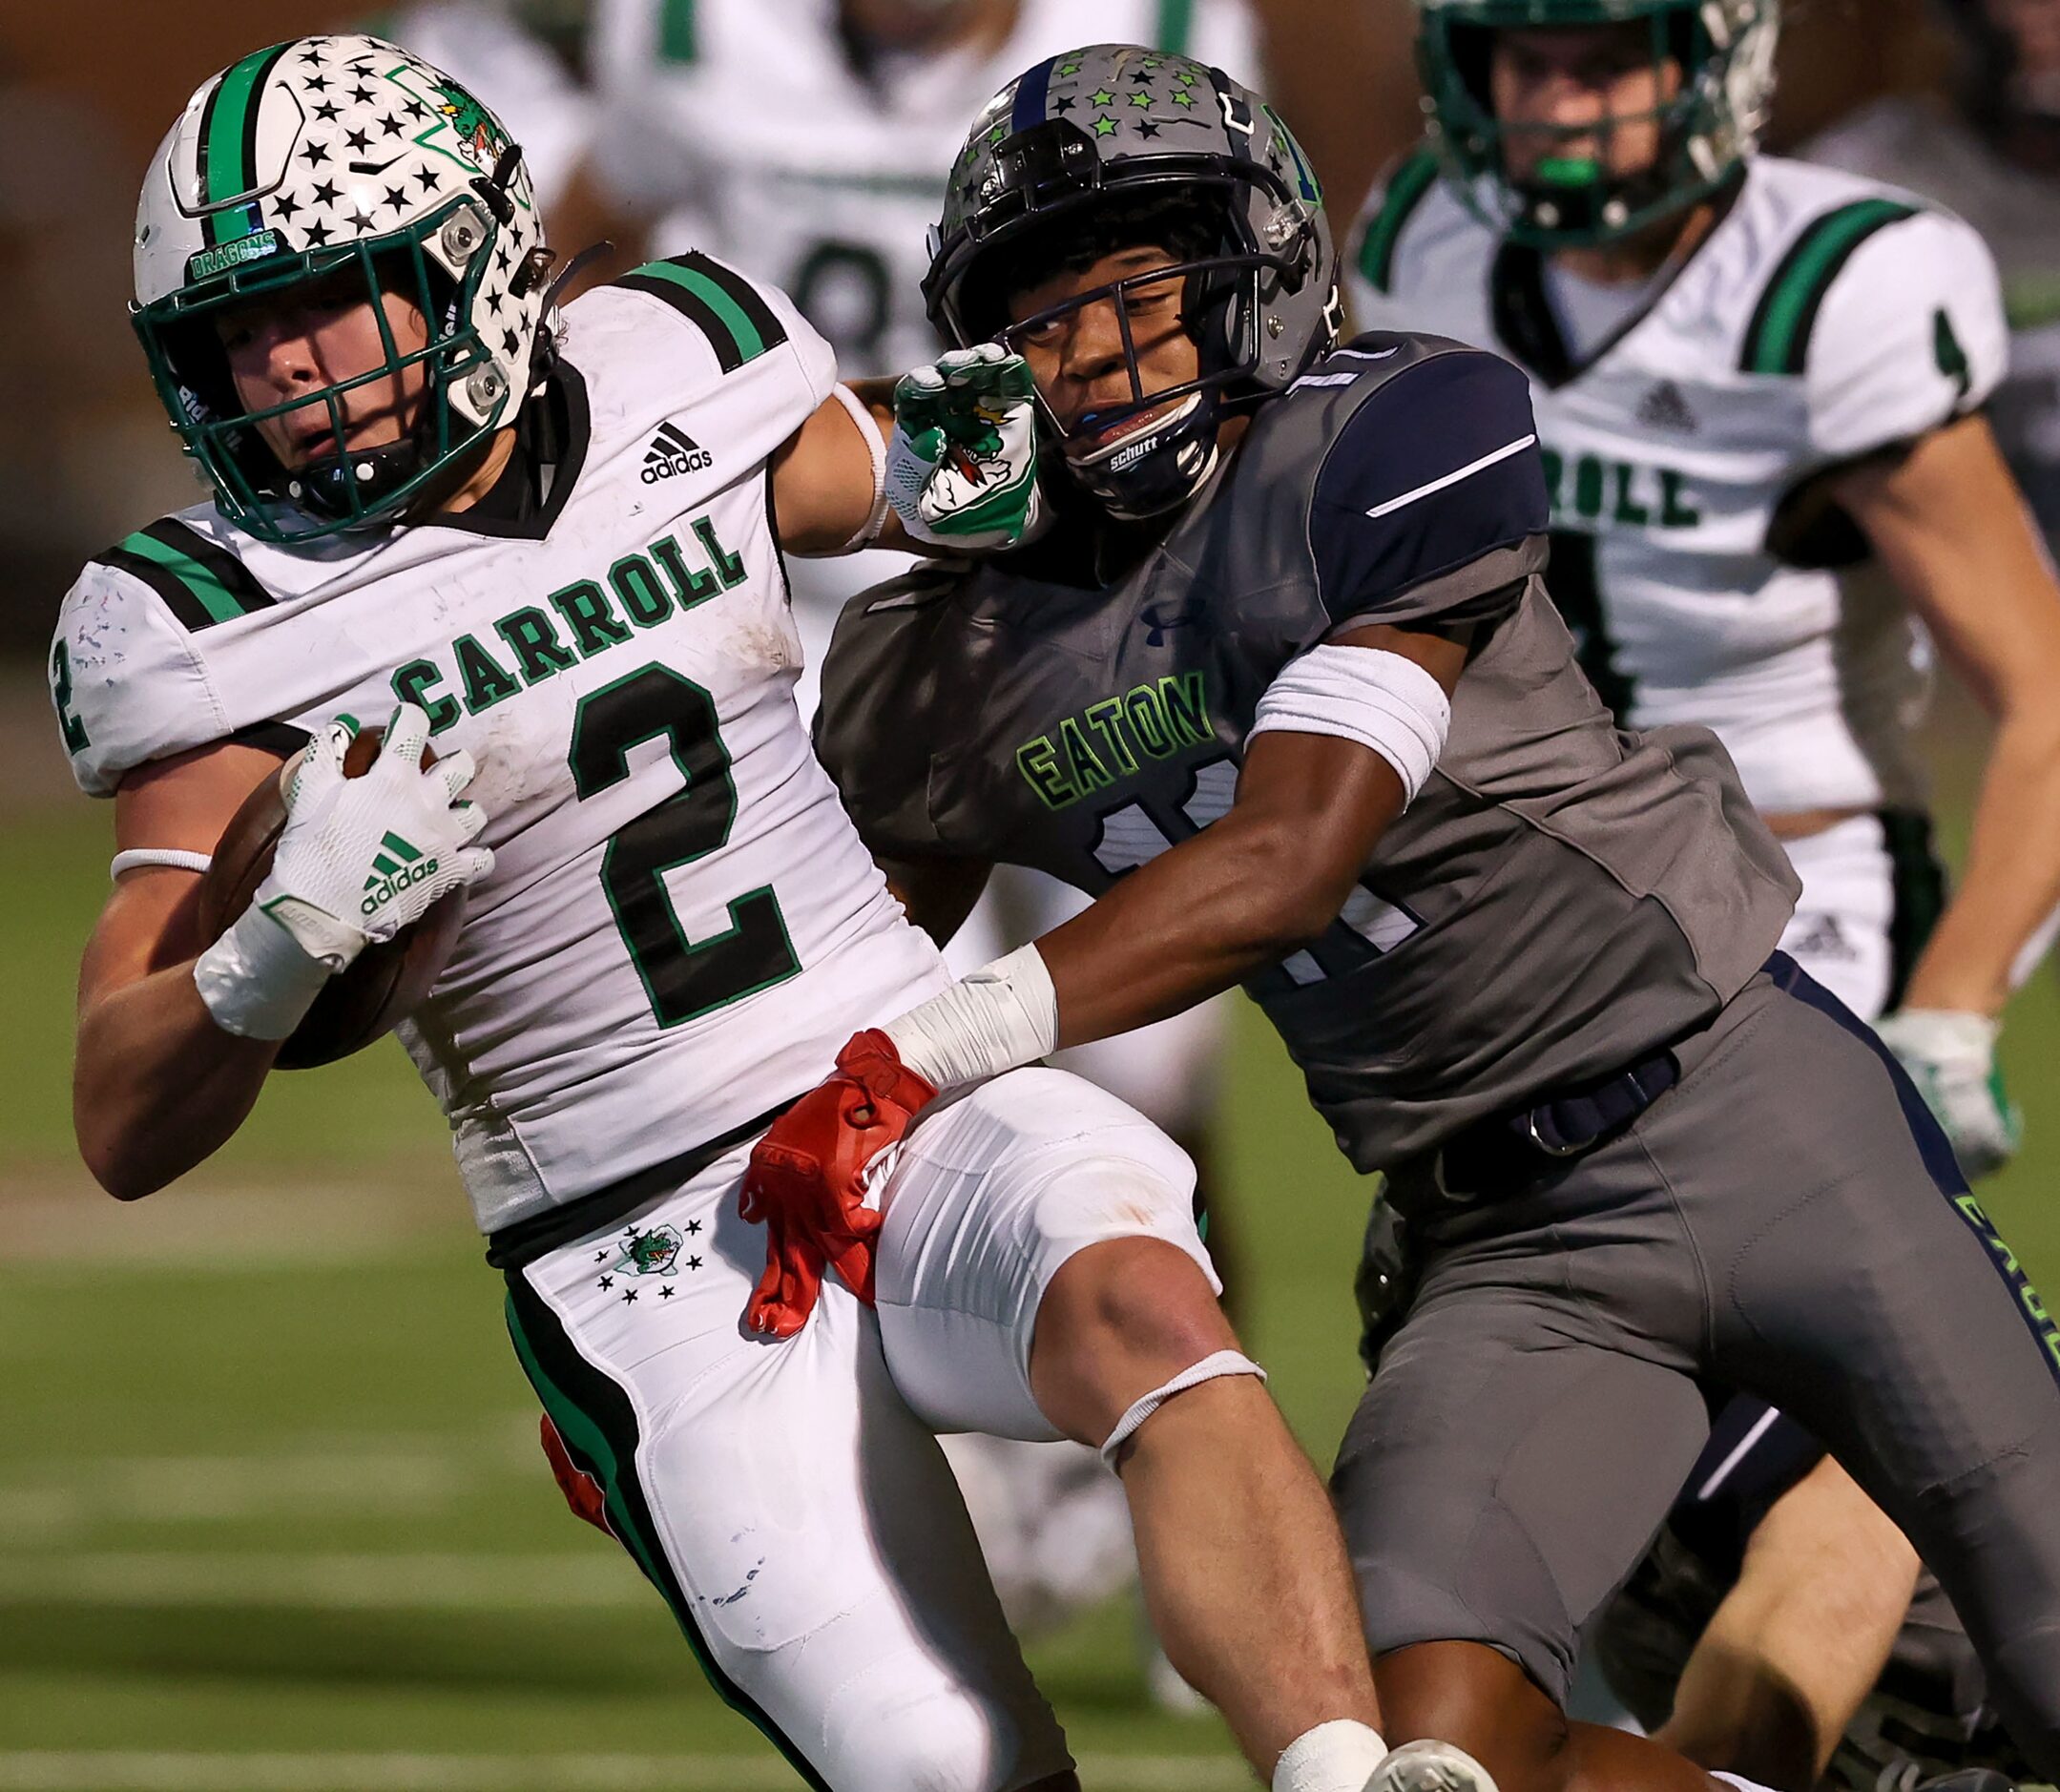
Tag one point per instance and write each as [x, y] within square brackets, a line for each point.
[1787, 1221]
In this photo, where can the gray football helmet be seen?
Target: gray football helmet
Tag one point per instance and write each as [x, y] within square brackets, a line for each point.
[1120, 131]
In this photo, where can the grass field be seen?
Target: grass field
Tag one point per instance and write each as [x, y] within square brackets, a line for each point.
[271, 1514]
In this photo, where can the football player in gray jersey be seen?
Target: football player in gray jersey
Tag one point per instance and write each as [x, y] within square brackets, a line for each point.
[1285, 690]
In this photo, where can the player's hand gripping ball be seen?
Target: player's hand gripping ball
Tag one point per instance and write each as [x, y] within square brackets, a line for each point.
[962, 467]
[360, 850]
[806, 1182]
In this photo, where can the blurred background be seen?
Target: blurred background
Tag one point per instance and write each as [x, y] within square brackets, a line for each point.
[271, 1510]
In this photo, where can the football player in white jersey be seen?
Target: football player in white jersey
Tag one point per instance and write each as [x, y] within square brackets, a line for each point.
[1757, 387]
[1992, 156]
[809, 141]
[1759, 384]
[434, 503]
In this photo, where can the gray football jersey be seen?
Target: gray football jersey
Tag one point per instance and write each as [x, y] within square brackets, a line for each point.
[1559, 898]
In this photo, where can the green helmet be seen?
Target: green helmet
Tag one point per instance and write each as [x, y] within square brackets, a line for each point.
[339, 158]
[1725, 50]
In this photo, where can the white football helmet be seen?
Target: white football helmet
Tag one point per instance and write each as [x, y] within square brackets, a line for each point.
[306, 160]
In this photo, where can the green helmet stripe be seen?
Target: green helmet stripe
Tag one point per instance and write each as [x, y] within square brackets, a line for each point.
[1175, 25]
[1405, 192]
[229, 143]
[1778, 340]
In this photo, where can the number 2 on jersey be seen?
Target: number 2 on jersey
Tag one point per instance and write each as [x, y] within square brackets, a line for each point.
[684, 979]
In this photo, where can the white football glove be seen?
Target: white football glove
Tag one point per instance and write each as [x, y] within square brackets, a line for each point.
[1951, 1057]
[962, 465]
[358, 859]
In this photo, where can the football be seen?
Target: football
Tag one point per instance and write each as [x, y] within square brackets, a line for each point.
[387, 980]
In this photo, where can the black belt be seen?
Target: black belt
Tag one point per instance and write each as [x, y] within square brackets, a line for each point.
[1503, 1155]
[513, 1246]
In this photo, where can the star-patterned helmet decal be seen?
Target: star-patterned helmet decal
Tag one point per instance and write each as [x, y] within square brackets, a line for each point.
[307, 148]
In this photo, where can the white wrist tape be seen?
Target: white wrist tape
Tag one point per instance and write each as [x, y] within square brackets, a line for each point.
[1386, 703]
[1210, 1369]
[141, 857]
[870, 428]
[1340, 1756]
[256, 980]
[998, 1017]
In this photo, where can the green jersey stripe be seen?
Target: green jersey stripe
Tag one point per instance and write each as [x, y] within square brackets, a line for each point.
[746, 297]
[201, 584]
[677, 39]
[736, 321]
[597, 1423]
[1405, 192]
[1778, 340]
[229, 143]
[221, 566]
[1175, 25]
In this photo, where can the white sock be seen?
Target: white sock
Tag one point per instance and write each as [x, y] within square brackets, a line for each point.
[1335, 1757]
[1739, 1781]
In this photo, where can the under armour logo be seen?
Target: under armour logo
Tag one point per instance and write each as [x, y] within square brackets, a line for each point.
[1153, 618]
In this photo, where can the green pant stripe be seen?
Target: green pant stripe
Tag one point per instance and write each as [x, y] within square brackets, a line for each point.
[596, 1418]
[229, 141]
[1778, 341]
[1405, 192]
[1175, 25]
[1919, 882]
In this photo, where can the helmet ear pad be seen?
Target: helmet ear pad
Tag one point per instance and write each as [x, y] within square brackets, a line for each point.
[1210, 313]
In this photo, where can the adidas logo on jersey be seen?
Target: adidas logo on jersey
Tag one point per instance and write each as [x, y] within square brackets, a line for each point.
[395, 867]
[673, 450]
[1665, 408]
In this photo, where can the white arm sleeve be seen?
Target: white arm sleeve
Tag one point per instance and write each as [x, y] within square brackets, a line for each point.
[1911, 336]
[1384, 702]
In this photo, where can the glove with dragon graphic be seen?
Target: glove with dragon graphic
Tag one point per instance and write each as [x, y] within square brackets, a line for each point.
[962, 467]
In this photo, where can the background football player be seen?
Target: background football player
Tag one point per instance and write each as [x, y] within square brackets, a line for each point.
[1514, 950]
[1759, 388]
[1989, 149]
[429, 502]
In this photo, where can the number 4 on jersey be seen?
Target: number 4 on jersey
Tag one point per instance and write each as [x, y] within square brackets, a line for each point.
[1368, 927]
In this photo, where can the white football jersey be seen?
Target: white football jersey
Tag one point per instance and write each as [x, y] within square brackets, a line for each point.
[744, 125]
[1826, 317]
[1938, 154]
[535, 94]
[681, 927]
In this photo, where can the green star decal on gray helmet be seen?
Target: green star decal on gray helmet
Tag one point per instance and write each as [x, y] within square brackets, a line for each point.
[1723, 51]
[1117, 133]
[346, 161]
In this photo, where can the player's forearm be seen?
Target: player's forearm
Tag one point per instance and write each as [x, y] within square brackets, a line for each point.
[2012, 877]
[157, 1087]
[1220, 907]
